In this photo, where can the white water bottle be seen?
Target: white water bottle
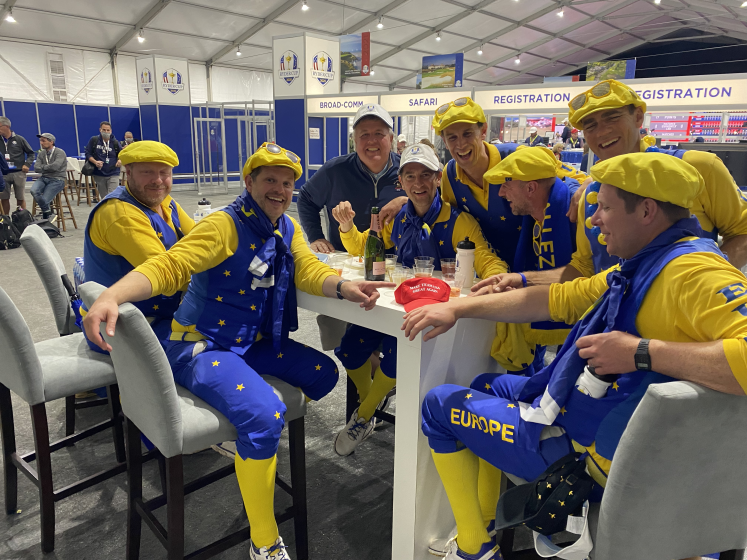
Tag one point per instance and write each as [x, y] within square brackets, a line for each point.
[465, 263]
[590, 384]
[203, 209]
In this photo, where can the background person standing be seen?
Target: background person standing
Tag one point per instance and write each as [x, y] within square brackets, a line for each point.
[51, 164]
[103, 152]
[19, 156]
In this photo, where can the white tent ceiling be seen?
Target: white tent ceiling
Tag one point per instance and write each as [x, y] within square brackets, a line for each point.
[546, 44]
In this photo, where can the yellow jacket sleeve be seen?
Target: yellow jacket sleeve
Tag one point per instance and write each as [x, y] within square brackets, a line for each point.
[209, 243]
[570, 300]
[721, 205]
[447, 193]
[582, 260]
[354, 241]
[185, 220]
[310, 271]
[487, 263]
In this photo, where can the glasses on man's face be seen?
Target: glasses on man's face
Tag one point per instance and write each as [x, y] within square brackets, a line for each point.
[602, 89]
[275, 149]
[461, 102]
[537, 238]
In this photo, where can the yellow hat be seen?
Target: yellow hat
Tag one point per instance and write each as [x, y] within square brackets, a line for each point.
[609, 94]
[531, 164]
[272, 154]
[462, 110]
[651, 175]
[647, 141]
[148, 151]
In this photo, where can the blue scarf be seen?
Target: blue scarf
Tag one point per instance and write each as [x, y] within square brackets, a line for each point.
[552, 387]
[417, 240]
[272, 265]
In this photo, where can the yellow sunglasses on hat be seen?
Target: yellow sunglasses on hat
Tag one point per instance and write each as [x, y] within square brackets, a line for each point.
[275, 149]
[461, 102]
[602, 89]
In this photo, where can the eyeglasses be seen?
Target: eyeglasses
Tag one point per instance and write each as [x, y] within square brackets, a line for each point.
[602, 89]
[275, 149]
[461, 102]
[537, 238]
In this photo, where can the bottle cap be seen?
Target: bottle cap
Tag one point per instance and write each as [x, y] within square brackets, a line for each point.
[203, 202]
[465, 244]
[374, 210]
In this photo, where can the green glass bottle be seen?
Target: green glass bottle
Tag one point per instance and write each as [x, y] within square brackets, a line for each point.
[374, 261]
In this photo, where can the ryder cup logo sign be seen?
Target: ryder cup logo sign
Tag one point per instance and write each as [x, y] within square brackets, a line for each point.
[322, 68]
[146, 80]
[289, 67]
[172, 81]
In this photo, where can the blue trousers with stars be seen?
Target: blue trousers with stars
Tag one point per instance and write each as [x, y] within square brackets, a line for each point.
[359, 343]
[486, 419]
[232, 384]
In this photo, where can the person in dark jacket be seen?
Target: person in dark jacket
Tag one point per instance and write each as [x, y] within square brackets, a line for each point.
[365, 178]
[566, 131]
[51, 165]
[103, 152]
[19, 157]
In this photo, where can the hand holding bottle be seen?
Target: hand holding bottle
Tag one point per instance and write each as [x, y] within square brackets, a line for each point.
[344, 214]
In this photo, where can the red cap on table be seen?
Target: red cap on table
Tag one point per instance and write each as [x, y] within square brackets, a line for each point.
[417, 292]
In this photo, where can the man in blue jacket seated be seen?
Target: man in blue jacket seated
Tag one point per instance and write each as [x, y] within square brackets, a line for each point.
[673, 309]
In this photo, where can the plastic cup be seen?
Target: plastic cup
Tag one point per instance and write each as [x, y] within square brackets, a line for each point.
[448, 266]
[337, 262]
[423, 261]
[423, 271]
[455, 285]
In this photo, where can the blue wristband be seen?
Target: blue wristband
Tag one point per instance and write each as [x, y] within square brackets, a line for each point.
[523, 280]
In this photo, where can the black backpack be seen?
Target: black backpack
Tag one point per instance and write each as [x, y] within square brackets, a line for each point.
[49, 228]
[10, 237]
[21, 219]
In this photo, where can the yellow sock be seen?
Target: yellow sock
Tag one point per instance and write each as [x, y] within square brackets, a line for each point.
[257, 485]
[362, 378]
[379, 389]
[488, 490]
[459, 473]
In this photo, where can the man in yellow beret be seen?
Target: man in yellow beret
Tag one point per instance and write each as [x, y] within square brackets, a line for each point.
[242, 265]
[674, 309]
[136, 222]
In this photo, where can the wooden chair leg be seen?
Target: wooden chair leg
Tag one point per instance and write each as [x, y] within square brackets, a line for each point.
[175, 507]
[70, 415]
[134, 489]
[8, 431]
[33, 208]
[161, 470]
[79, 187]
[297, 445]
[59, 211]
[115, 408]
[44, 470]
[70, 209]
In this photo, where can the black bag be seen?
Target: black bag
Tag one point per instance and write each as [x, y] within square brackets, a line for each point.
[49, 228]
[87, 169]
[22, 218]
[10, 237]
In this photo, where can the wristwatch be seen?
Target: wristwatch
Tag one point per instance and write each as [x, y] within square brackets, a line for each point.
[339, 285]
[642, 357]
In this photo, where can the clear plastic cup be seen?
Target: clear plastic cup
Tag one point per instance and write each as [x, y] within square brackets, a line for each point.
[391, 263]
[448, 266]
[423, 261]
[423, 271]
[455, 284]
[398, 276]
[337, 262]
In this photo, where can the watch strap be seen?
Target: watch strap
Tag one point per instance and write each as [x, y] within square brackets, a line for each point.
[642, 356]
[339, 285]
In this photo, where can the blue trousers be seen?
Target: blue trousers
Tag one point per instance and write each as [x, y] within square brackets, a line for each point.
[486, 419]
[232, 384]
[45, 189]
[359, 343]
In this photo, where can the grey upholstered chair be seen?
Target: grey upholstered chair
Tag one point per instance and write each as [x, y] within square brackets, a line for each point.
[50, 269]
[677, 485]
[40, 373]
[178, 423]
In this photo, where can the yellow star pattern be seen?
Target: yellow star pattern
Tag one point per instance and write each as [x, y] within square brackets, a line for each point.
[253, 307]
[446, 225]
[615, 386]
[155, 307]
[238, 340]
[440, 242]
[469, 396]
[345, 355]
[549, 485]
[570, 493]
[242, 292]
[252, 246]
[563, 411]
[503, 218]
[277, 415]
[216, 363]
[160, 235]
[280, 355]
[240, 387]
[539, 496]
[361, 340]
[318, 367]
[221, 323]
[227, 273]
[562, 504]
[519, 228]
[219, 298]
[512, 406]
[404, 220]
[552, 516]
[464, 199]
[399, 236]
[487, 385]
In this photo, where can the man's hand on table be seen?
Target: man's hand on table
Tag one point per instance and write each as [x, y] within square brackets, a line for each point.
[440, 316]
[344, 214]
[322, 246]
[365, 293]
[105, 310]
[391, 209]
[609, 353]
[498, 283]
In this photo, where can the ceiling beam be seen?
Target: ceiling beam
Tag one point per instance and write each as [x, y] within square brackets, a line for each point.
[373, 17]
[149, 16]
[252, 31]
[6, 8]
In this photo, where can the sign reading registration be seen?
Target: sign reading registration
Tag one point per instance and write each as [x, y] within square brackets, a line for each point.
[338, 105]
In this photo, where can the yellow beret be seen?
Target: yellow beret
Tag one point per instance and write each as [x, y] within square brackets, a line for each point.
[462, 110]
[531, 164]
[270, 153]
[147, 151]
[609, 94]
[651, 175]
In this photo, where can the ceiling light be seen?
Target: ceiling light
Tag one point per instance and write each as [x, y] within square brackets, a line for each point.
[560, 12]
[438, 36]
[304, 6]
[517, 61]
[140, 38]
[479, 51]
[238, 50]
[9, 18]
[380, 25]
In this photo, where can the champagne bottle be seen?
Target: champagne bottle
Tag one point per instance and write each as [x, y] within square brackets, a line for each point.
[373, 258]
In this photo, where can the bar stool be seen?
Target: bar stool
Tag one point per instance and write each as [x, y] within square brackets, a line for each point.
[86, 183]
[60, 210]
[178, 423]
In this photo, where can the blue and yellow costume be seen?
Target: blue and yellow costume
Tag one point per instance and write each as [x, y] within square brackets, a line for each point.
[233, 325]
[678, 288]
[122, 233]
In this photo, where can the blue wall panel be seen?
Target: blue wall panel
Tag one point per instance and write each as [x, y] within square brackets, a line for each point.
[233, 126]
[333, 138]
[316, 147]
[149, 118]
[176, 132]
[59, 119]
[22, 115]
[344, 141]
[125, 119]
[89, 120]
[289, 123]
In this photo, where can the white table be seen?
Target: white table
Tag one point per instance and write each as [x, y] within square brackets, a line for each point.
[421, 509]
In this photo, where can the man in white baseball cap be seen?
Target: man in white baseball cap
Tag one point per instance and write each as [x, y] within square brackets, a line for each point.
[401, 143]
[534, 138]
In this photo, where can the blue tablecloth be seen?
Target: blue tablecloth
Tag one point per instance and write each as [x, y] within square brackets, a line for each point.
[571, 157]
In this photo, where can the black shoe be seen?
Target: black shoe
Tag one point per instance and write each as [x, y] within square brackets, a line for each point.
[46, 215]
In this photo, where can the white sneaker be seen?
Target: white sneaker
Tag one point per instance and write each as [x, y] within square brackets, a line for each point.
[227, 449]
[440, 547]
[489, 551]
[275, 552]
[354, 432]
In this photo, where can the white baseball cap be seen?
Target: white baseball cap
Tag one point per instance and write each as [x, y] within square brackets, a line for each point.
[401, 138]
[532, 130]
[420, 153]
[373, 110]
